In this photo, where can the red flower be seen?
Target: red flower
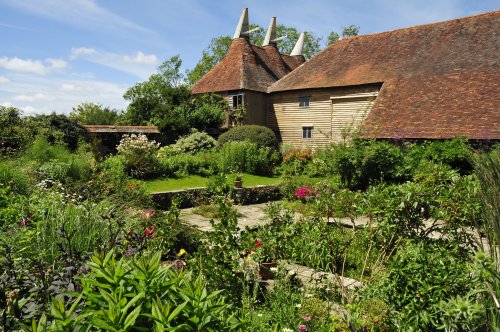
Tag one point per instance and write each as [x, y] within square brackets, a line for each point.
[128, 184]
[137, 184]
[150, 230]
[258, 244]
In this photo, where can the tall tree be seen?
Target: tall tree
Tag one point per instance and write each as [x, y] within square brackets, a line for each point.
[162, 92]
[94, 114]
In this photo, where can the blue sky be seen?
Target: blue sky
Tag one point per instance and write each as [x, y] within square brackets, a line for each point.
[55, 54]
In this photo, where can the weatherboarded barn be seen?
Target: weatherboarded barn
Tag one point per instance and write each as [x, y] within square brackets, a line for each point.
[433, 81]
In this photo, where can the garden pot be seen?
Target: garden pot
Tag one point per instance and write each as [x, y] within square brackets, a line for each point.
[265, 270]
[238, 184]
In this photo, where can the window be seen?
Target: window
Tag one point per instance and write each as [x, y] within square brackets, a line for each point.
[236, 101]
[304, 101]
[307, 132]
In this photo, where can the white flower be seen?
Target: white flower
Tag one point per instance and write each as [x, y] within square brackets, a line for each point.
[291, 273]
[298, 305]
[286, 329]
[274, 269]
[259, 315]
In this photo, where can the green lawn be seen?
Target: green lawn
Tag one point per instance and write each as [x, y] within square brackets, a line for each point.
[194, 181]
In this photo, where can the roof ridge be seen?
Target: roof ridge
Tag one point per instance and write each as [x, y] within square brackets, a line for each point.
[418, 26]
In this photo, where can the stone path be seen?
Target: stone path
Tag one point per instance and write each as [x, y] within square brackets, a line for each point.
[252, 216]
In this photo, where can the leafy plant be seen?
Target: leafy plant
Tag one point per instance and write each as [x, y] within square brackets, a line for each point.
[141, 293]
[260, 135]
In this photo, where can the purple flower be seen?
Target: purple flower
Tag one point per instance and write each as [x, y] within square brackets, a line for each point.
[302, 328]
[179, 263]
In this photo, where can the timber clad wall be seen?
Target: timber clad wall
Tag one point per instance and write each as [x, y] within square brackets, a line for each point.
[329, 113]
[255, 104]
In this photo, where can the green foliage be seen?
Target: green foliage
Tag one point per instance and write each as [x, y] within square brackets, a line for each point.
[220, 253]
[419, 278]
[245, 157]
[260, 135]
[13, 175]
[13, 137]
[139, 154]
[206, 116]
[158, 96]
[295, 162]
[487, 169]
[195, 142]
[94, 114]
[348, 31]
[180, 165]
[455, 153]
[141, 293]
[56, 162]
[57, 128]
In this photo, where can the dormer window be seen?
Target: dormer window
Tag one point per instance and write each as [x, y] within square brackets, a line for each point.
[304, 101]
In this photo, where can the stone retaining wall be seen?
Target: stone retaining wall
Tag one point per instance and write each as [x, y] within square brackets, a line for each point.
[198, 196]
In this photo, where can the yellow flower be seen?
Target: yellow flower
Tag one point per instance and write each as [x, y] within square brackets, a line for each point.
[181, 252]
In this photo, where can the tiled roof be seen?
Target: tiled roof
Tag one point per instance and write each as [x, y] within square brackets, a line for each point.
[249, 67]
[122, 129]
[439, 80]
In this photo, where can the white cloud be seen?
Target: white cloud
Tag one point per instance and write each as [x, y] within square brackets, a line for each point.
[57, 63]
[141, 58]
[35, 97]
[139, 64]
[6, 104]
[4, 80]
[77, 51]
[27, 66]
[32, 66]
[68, 87]
[47, 94]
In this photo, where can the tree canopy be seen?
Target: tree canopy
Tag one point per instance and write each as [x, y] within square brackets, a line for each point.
[348, 31]
[94, 114]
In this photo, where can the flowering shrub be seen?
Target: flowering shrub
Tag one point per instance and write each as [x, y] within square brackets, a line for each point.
[140, 155]
[297, 155]
[196, 142]
[305, 193]
[295, 161]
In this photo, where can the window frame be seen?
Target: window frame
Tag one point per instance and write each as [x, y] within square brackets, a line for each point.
[307, 132]
[303, 100]
[239, 103]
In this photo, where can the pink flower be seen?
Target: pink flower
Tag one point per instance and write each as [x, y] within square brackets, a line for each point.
[302, 328]
[147, 214]
[306, 319]
[258, 244]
